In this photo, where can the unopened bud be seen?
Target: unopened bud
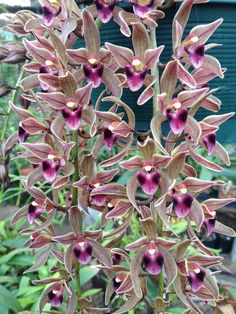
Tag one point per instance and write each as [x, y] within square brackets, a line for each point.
[5, 89]
[3, 53]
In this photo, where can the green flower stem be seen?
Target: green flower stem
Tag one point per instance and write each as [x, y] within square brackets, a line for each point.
[75, 156]
[13, 99]
[155, 73]
[154, 70]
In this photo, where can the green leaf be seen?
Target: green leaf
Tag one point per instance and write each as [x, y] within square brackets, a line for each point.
[176, 310]
[6, 258]
[90, 292]
[87, 273]
[7, 298]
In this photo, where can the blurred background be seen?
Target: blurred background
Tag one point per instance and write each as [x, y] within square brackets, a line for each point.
[17, 294]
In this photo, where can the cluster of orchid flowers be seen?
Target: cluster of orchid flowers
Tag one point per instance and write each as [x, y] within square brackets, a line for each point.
[63, 141]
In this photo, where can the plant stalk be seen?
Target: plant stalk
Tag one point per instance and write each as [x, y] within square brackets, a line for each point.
[154, 70]
[155, 73]
[75, 156]
[13, 100]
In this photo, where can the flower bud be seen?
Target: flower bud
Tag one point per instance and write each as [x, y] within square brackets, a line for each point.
[3, 53]
[5, 89]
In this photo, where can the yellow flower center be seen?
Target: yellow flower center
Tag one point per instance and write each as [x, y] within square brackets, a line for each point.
[143, 2]
[192, 40]
[92, 61]
[55, 3]
[137, 64]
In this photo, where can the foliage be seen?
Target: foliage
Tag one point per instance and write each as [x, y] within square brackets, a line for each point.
[99, 196]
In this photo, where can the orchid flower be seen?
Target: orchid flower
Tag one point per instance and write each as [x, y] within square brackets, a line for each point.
[70, 108]
[95, 61]
[136, 65]
[149, 174]
[145, 11]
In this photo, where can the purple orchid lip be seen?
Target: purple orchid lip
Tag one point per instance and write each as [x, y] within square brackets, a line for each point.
[196, 278]
[182, 203]
[93, 71]
[49, 13]
[135, 74]
[196, 55]
[72, 114]
[99, 200]
[55, 296]
[177, 116]
[141, 8]
[210, 142]
[83, 251]
[148, 179]
[22, 134]
[153, 260]
[195, 50]
[210, 225]
[116, 258]
[109, 138]
[105, 9]
[35, 210]
[50, 167]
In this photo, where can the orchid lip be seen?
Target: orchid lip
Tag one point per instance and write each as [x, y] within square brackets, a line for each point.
[196, 278]
[182, 204]
[83, 251]
[177, 118]
[55, 297]
[153, 261]
[50, 169]
[149, 181]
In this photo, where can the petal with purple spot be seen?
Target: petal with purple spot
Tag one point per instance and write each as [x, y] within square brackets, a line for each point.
[22, 134]
[105, 10]
[72, 117]
[177, 119]
[196, 55]
[99, 200]
[210, 225]
[196, 278]
[135, 79]
[153, 260]
[210, 142]
[55, 296]
[182, 204]
[50, 169]
[34, 211]
[49, 14]
[83, 251]
[93, 74]
[109, 138]
[149, 181]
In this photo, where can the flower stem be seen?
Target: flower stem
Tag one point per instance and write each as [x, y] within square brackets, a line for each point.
[155, 73]
[154, 70]
[13, 100]
[75, 156]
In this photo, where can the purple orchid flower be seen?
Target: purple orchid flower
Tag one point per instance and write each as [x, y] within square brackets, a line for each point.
[51, 166]
[83, 251]
[71, 108]
[136, 65]
[195, 50]
[55, 295]
[148, 179]
[182, 202]
[109, 137]
[153, 259]
[196, 277]
[177, 116]
[96, 61]
[51, 11]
